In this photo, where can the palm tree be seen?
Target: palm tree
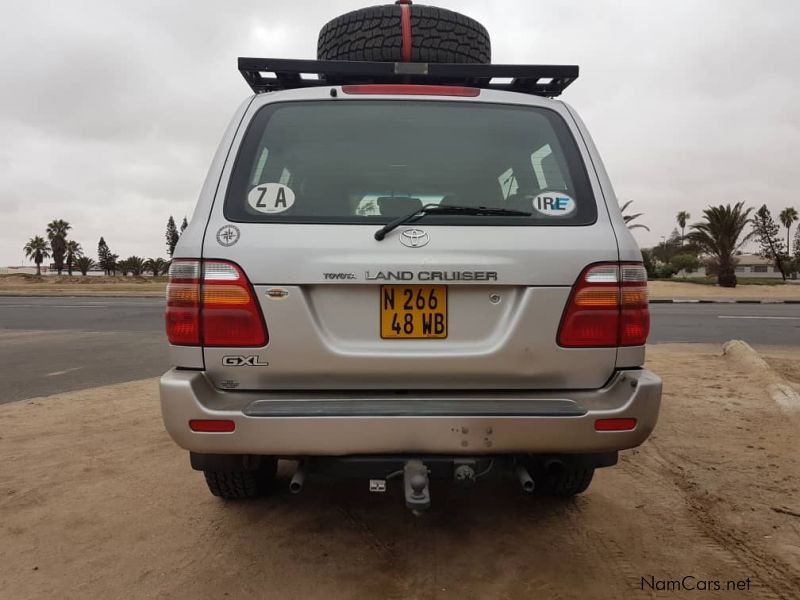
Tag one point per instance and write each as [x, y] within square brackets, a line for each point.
[124, 267]
[788, 216]
[629, 218]
[135, 265]
[84, 263]
[73, 252]
[683, 217]
[156, 266]
[721, 235]
[37, 250]
[57, 234]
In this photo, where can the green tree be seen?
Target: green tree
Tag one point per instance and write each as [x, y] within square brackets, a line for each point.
[721, 234]
[766, 231]
[123, 267]
[683, 217]
[629, 218]
[666, 249]
[184, 225]
[684, 261]
[106, 259]
[84, 263]
[649, 262]
[37, 250]
[74, 252]
[102, 254]
[156, 266]
[136, 265]
[172, 236]
[788, 216]
[57, 234]
[797, 243]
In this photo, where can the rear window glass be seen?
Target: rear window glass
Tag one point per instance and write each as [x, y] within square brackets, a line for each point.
[371, 161]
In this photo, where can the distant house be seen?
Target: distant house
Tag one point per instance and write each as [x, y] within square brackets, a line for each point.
[750, 265]
[24, 269]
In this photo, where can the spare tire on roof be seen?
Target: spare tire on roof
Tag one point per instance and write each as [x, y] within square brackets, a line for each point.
[405, 32]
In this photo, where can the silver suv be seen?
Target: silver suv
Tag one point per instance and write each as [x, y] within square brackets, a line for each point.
[407, 271]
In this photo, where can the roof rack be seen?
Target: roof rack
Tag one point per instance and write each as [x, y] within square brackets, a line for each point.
[272, 74]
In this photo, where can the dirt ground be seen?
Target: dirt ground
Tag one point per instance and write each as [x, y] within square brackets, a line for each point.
[684, 290]
[96, 502]
[31, 285]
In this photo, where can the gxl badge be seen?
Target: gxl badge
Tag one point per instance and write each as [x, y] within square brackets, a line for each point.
[244, 361]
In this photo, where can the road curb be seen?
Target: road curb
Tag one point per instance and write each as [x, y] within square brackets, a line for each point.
[750, 362]
[722, 301]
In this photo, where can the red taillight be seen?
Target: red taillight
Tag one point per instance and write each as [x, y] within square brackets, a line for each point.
[183, 303]
[634, 325]
[401, 89]
[608, 307]
[211, 303]
[614, 424]
[230, 315]
[212, 425]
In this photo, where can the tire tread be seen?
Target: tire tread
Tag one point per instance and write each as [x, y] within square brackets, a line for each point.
[244, 484]
[565, 483]
[375, 34]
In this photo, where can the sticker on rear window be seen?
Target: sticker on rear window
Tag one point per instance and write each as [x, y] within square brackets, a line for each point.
[271, 198]
[554, 204]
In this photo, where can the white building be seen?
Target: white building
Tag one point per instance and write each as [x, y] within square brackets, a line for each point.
[751, 265]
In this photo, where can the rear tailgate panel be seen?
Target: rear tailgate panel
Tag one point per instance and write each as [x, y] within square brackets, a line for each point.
[323, 343]
[325, 331]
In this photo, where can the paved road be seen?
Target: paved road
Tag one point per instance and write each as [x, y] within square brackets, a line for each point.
[757, 324]
[50, 345]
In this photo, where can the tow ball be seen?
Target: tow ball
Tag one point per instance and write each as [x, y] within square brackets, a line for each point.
[416, 485]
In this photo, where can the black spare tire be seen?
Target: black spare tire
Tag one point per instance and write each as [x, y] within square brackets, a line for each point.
[405, 32]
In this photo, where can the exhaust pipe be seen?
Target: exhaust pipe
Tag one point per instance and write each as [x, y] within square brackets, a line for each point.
[525, 479]
[298, 479]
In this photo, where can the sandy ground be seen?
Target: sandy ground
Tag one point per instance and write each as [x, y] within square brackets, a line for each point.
[96, 502]
[683, 290]
[26, 285]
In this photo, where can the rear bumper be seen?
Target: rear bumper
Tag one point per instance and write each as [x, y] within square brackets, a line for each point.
[453, 422]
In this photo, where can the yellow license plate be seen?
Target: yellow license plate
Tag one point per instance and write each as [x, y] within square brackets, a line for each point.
[413, 311]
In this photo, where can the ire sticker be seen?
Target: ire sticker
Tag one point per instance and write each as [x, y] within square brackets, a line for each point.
[554, 204]
[270, 198]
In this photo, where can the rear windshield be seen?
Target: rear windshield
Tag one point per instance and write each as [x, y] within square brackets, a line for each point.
[370, 161]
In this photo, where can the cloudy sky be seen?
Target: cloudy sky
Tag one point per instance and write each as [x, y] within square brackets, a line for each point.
[111, 111]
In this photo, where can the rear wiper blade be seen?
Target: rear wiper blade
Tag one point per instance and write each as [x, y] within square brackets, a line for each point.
[435, 209]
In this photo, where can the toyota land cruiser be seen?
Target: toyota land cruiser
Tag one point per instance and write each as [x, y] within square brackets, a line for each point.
[401, 265]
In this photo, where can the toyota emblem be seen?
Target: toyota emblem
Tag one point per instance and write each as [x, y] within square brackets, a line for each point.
[414, 238]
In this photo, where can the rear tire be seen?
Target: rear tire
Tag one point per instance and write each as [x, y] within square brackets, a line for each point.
[242, 484]
[563, 481]
[375, 34]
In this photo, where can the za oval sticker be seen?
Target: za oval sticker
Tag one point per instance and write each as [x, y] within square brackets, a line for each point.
[270, 198]
[554, 204]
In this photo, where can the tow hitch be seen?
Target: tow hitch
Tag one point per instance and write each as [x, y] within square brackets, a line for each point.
[416, 472]
[416, 485]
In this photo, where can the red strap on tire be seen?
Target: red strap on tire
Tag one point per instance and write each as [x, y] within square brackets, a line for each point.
[405, 23]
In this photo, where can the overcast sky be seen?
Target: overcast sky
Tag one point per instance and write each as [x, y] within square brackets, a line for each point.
[111, 111]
